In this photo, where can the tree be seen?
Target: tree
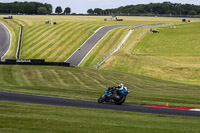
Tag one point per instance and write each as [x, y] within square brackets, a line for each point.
[98, 11]
[42, 10]
[58, 9]
[67, 11]
[49, 8]
[90, 11]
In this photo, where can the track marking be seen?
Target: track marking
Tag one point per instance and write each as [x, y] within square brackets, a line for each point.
[10, 35]
[166, 107]
[195, 110]
[85, 42]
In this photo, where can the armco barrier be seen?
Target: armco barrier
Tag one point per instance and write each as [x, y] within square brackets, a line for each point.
[115, 49]
[33, 62]
[19, 42]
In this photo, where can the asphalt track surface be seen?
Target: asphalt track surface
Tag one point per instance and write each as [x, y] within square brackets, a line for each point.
[78, 56]
[4, 40]
[36, 99]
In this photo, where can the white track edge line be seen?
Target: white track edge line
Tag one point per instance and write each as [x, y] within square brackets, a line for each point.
[93, 47]
[195, 110]
[85, 42]
[10, 40]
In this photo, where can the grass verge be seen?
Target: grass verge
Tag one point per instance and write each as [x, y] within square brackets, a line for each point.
[21, 117]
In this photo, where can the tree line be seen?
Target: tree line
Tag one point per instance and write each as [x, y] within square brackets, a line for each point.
[26, 8]
[59, 10]
[144, 9]
[31, 8]
[150, 9]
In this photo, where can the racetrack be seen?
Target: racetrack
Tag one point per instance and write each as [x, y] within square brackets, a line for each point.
[78, 56]
[16, 97]
[4, 40]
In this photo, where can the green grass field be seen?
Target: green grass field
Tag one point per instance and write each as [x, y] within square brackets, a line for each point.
[173, 54]
[25, 118]
[89, 84]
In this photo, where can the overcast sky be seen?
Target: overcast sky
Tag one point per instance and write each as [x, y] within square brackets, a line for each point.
[81, 6]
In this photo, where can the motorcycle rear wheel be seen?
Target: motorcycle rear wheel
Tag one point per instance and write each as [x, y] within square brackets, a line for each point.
[121, 100]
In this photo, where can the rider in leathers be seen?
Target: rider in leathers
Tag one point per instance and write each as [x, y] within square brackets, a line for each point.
[116, 89]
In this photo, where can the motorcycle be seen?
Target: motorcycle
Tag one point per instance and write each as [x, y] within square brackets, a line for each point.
[118, 98]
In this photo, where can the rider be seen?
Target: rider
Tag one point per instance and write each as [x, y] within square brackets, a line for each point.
[121, 87]
[115, 89]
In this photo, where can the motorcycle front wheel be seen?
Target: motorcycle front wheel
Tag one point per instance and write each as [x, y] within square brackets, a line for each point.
[101, 99]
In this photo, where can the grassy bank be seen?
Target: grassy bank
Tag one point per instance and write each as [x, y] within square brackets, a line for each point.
[19, 118]
[173, 54]
[89, 84]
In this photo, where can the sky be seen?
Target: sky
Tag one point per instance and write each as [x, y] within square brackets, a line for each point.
[81, 6]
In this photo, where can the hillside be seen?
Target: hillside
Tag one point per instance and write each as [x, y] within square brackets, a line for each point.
[89, 84]
[173, 54]
[58, 42]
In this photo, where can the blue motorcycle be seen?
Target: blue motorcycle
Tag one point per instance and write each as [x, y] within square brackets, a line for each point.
[114, 95]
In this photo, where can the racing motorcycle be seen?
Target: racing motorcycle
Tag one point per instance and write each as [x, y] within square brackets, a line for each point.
[114, 95]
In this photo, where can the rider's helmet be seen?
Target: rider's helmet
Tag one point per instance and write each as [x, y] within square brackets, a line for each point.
[121, 86]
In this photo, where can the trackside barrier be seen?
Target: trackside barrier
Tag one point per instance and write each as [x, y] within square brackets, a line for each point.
[126, 37]
[152, 25]
[19, 42]
[33, 62]
[114, 50]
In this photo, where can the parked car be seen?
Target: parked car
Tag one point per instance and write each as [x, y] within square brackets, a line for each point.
[9, 17]
[154, 31]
